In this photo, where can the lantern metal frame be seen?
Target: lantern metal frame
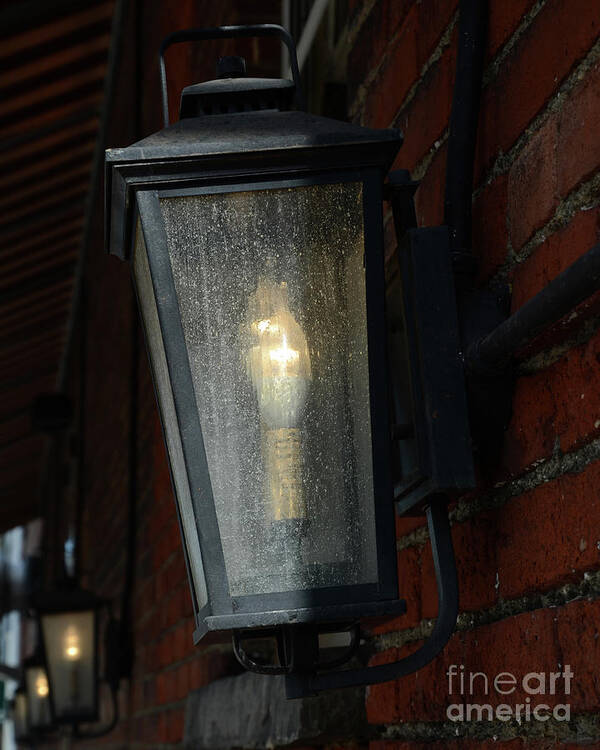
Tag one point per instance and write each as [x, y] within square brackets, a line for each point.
[260, 150]
[343, 603]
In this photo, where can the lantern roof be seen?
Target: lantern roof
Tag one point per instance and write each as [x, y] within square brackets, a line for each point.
[239, 143]
[245, 132]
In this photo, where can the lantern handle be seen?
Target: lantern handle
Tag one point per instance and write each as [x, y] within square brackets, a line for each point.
[300, 685]
[228, 32]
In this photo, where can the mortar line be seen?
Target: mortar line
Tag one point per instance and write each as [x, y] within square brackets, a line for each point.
[584, 197]
[356, 108]
[493, 68]
[582, 729]
[554, 103]
[588, 587]
[543, 471]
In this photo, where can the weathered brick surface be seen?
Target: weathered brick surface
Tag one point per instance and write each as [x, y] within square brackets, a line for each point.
[556, 408]
[490, 229]
[560, 35]
[426, 118]
[532, 185]
[555, 254]
[539, 641]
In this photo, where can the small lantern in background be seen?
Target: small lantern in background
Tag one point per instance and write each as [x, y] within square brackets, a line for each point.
[39, 713]
[69, 626]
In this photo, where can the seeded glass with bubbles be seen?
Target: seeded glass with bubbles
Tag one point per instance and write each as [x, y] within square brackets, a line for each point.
[270, 285]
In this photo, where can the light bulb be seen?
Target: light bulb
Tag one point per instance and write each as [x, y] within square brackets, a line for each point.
[279, 368]
[41, 686]
[72, 649]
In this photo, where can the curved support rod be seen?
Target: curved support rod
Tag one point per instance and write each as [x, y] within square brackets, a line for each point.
[299, 685]
[94, 733]
[228, 32]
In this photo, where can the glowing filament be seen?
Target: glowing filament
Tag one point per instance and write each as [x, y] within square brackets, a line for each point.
[72, 648]
[41, 686]
[284, 356]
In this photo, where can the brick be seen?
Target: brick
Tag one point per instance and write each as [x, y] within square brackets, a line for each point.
[476, 566]
[394, 80]
[541, 641]
[163, 687]
[183, 681]
[160, 515]
[168, 542]
[538, 641]
[532, 185]
[175, 723]
[544, 405]
[182, 644]
[418, 696]
[429, 198]
[578, 638]
[578, 148]
[433, 19]
[162, 728]
[407, 524]
[426, 118]
[555, 255]
[548, 536]
[490, 232]
[373, 37]
[504, 18]
[559, 36]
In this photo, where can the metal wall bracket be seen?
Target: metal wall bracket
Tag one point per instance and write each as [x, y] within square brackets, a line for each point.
[301, 684]
[431, 445]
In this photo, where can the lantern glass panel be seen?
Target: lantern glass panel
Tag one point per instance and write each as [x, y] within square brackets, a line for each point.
[69, 638]
[38, 697]
[156, 347]
[270, 284]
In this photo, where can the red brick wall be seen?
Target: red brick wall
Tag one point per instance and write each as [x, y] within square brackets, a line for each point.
[527, 543]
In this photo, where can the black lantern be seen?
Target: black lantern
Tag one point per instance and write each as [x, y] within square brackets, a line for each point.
[38, 712]
[255, 238]
[69, 626]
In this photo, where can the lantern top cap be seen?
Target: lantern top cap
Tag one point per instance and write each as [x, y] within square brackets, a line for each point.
[236, 94]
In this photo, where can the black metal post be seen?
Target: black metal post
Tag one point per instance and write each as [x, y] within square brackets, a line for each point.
[463, 128]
